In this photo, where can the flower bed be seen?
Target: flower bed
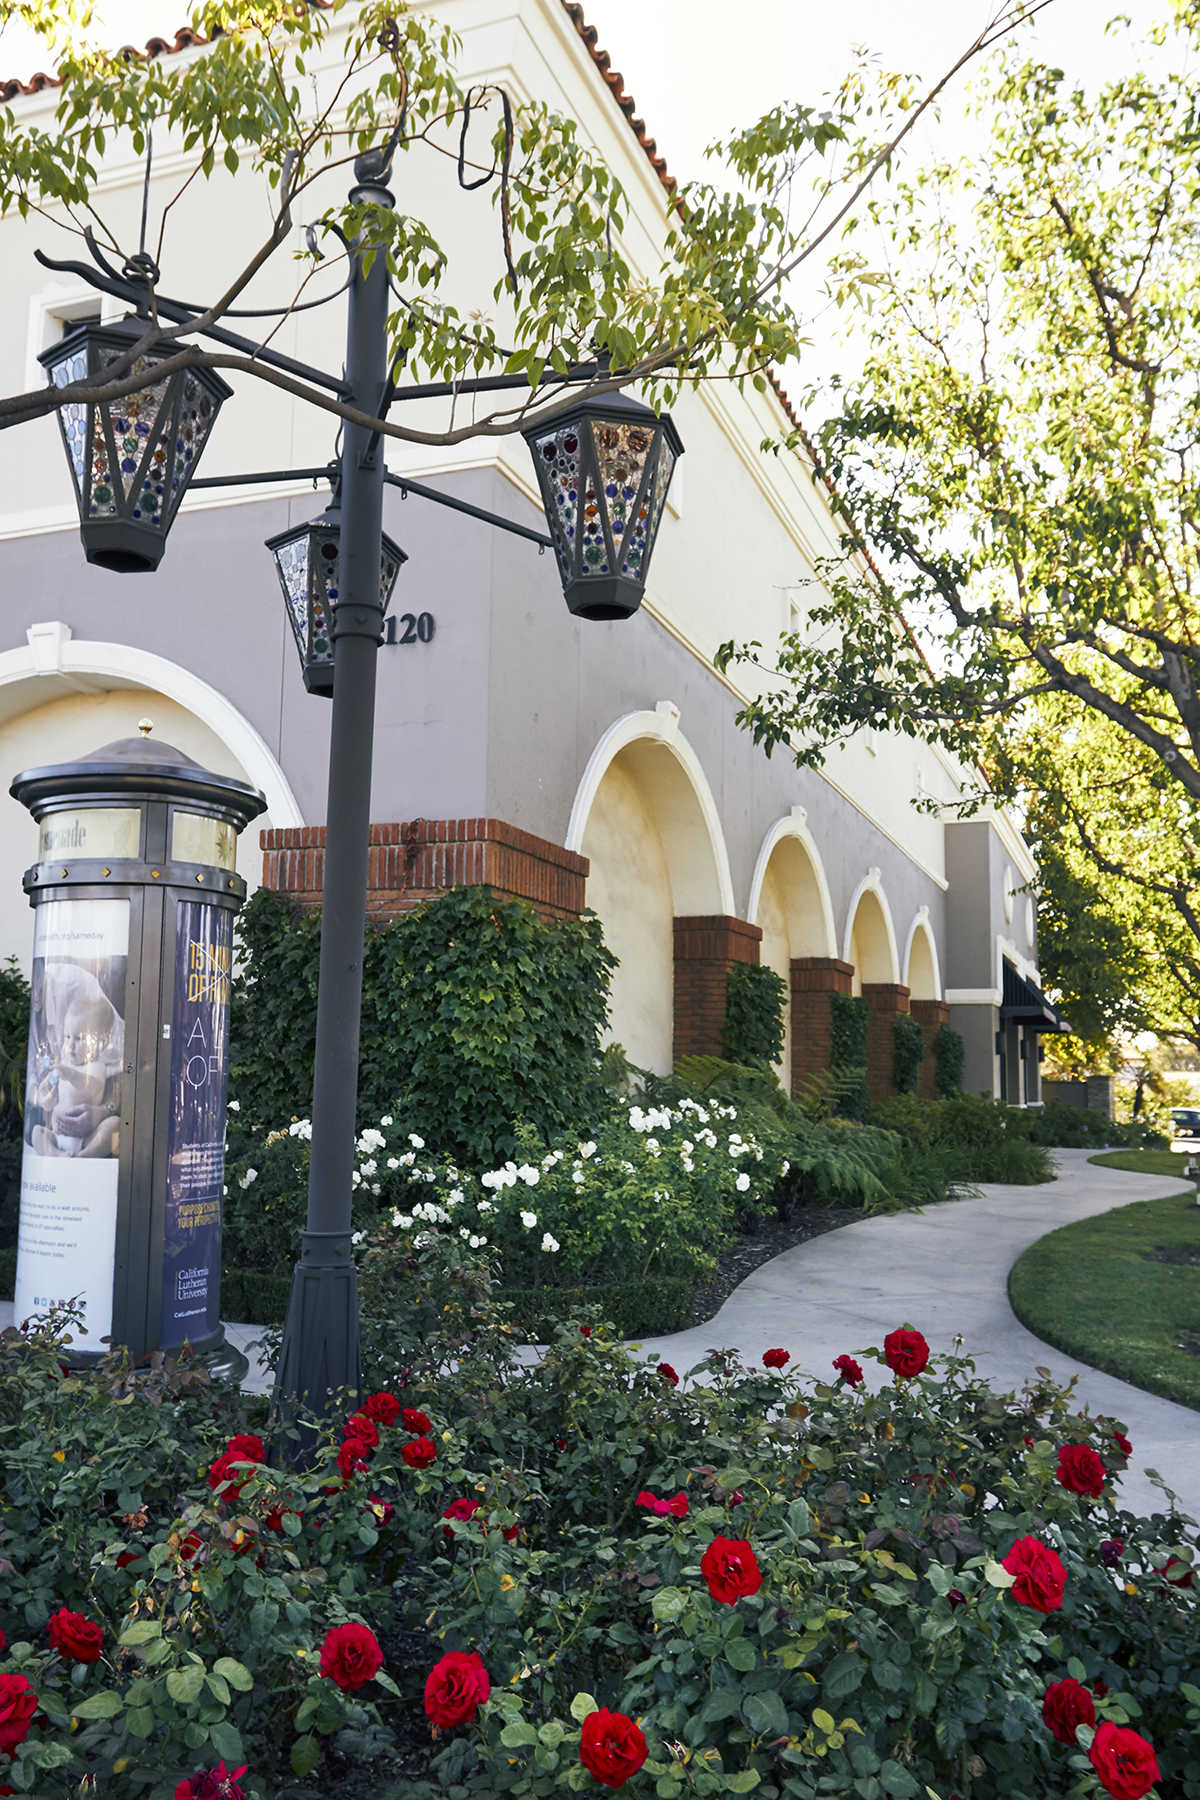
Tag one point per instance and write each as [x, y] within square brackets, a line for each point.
[587, 1574]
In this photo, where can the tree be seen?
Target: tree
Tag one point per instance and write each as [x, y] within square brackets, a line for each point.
[569, 295]
[1022, 454]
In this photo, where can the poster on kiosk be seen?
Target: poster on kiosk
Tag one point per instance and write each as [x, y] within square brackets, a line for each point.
[73, 1098]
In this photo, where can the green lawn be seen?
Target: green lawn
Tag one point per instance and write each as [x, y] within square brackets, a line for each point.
[1143, 1162]
[1098, 1291]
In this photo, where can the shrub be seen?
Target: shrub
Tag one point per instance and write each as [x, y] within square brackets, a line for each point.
[908, 1053]
[754, 1001]
[975, 1139]
[848, 1051]
[477, 1013]
[949, 1053]
[1073, 1127]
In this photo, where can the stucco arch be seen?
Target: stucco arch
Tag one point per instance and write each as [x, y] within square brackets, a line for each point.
[680, 799]
[645, 818]
[870, 940]
[922, 973]
[790, 903]
[61, 697]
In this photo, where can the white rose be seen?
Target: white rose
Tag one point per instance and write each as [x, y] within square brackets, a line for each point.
[251, 1175]
[549, 1244]
[529, 1220]
[742, 1183]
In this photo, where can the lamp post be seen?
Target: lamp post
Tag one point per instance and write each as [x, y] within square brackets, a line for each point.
[603, 469]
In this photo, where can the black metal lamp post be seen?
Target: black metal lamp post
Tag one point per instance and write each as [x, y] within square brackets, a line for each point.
[603, 470]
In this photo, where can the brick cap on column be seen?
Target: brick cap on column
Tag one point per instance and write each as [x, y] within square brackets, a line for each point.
[823, 962]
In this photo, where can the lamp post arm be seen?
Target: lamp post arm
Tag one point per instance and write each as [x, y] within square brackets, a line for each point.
[320, 1355]
[408, 486]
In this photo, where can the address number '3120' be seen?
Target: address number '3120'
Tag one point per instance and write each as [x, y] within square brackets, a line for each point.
[409, 628]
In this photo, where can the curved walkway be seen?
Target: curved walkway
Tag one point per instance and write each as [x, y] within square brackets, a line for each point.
[945, 1271]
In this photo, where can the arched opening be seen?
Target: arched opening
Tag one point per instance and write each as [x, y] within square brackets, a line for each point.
[61, 698]
[921, 968]
[870, 940]
[646, 821]
[790, 902]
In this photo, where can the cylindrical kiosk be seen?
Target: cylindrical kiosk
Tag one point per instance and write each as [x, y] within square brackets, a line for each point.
[134, 895]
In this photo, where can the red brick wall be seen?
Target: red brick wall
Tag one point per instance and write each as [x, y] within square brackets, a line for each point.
[930, 1015]
[706, 948]
[814, 979]
[885, 999]
[412, 862]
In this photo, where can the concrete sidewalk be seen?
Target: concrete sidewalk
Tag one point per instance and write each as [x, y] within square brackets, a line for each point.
[945, 1271]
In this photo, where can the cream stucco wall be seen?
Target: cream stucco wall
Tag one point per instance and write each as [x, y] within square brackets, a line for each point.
[630, 888]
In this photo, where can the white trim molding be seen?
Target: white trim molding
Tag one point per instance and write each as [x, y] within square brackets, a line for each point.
[53, 657]
[973, 996]
[871, 883]
[795, 825]
[660, 726]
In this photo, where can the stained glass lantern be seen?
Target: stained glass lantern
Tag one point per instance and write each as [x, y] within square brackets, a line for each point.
[308, 563]
[604, 470]
[131, 459]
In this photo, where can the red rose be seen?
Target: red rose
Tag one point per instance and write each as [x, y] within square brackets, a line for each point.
[365, 1430]
[419, 1453]
[213, 1784]
[731, 1570]
[461, 1509]
[677, 1508]
[1101, 1690]
[455, 1689]
[380, 1508]
[1124, 1762]
[1183, 1579]
[668, 1374]
[1040, 1575]
[905, 1352]
[75, 1637]
[1080, 1470]
[351, 1459]
[383, 1408]
[278, 1512]
[1111, 1551]
[415, 1421]
[585, 1331]
[123, 1562]
[736, 1498]
[1123, 1444]
[244, 1448]
[611, 1747]
[350, 1656]
[776, 1359]
[1066, 1705]
[18, 1703]
[850, 1371]
[188, 1548]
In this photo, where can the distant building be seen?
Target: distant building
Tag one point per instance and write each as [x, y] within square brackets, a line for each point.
[576, 764]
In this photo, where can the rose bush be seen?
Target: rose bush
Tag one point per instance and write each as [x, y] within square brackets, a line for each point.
[834, 1591]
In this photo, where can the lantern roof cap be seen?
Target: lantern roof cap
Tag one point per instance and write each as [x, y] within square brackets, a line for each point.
[137, 768]
[620, 405]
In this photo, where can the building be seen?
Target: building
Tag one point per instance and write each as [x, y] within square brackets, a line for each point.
[573, 763]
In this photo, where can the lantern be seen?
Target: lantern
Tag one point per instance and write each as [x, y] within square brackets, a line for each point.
[604, 470]
[308, 563]
[131, 459]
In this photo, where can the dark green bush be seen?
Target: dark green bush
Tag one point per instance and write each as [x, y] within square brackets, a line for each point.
[477, 1013]
[633, 1308]
[1074, 1128]
[754, 1003]
[949, 1053]
[908, 1053]
[848, 1052]
[973, 1139]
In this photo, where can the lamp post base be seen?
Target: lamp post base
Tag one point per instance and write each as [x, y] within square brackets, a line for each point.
[320, 1356]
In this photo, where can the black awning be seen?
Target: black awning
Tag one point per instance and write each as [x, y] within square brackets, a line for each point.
[1026, 1004]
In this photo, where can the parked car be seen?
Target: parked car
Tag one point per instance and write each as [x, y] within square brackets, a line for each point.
[1185, 1121]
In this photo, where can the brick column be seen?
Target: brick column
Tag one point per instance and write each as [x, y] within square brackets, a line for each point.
[886, 999]
[930, 1015]
[814, 980]
[706, 947]
[412, 862]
